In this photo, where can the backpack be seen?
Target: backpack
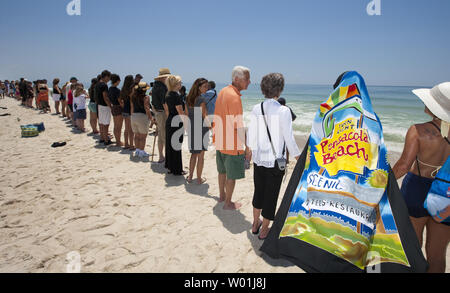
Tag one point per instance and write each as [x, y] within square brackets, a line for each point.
[40, 126]
[438, 199]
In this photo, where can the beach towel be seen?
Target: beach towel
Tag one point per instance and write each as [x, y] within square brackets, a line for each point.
[29, 131]
[342, 210]
[438, 199]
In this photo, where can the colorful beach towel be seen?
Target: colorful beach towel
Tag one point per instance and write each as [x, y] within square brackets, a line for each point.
[29, 130]
[438, 199]
[343, 210]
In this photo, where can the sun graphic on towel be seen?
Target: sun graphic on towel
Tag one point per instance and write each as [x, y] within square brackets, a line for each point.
[378, 179]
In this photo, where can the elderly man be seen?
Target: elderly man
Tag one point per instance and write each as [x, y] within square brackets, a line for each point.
[229, 136]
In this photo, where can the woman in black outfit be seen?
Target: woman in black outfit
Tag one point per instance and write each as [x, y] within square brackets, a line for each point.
[174, 107]
[124, 101]
[56, 94]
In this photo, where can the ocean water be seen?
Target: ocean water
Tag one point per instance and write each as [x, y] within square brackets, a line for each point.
[397, 107]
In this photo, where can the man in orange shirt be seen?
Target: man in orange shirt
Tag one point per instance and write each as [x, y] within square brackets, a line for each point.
[229, 136]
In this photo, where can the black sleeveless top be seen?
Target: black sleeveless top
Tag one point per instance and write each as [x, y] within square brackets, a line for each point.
[56, 90]
[139, 108]
[173, 99]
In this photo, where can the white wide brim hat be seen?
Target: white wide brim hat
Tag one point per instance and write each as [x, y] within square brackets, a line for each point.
[437, 100]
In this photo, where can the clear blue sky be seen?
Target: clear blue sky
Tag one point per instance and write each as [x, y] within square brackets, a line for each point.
[310, 42]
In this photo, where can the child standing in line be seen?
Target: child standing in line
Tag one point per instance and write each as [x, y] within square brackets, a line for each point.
[79, 105]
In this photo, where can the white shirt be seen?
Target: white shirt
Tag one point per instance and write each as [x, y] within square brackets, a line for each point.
[279, 120]
[80, 101]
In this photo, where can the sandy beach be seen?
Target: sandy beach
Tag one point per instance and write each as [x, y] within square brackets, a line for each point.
[118, 212]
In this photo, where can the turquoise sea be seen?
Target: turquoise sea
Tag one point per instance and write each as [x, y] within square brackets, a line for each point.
[397, 107]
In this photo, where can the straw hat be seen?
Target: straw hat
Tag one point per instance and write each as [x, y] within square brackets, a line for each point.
[163, 72]
[143, 86]
[437, 100]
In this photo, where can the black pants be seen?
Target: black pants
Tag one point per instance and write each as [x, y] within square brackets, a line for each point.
[267, 188]
[174, 160]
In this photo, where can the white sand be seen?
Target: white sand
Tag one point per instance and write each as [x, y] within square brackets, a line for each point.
[121, 214]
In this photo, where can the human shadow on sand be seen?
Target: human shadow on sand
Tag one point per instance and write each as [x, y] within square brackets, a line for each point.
[173, 180]
[100, 146]
[233, 221]
[256, 244]
[114, 148]
[158, 168]
[200, 190]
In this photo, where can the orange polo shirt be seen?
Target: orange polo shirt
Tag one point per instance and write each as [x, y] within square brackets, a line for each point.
[228, 125]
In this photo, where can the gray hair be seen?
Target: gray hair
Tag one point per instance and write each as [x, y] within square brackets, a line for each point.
[239, 72]
[272, 85]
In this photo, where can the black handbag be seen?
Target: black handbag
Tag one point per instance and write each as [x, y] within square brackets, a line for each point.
[280, 163]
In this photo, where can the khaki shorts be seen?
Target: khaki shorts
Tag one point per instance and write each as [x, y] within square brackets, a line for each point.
[140, 123]
[161, 121]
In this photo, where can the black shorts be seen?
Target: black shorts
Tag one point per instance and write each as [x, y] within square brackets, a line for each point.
[81, 114]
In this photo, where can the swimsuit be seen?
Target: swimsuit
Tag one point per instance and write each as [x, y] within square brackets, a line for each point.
[415, 189]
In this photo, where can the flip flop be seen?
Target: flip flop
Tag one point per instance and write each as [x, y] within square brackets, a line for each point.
[260, 238]
[58, 144]
[257, 231]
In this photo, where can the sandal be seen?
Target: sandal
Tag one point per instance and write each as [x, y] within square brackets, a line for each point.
[58, 144]
[259, 228]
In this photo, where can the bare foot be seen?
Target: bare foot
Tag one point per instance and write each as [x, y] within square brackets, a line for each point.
[201, 180]
[222, 198]
[232, 206]
[263, 234]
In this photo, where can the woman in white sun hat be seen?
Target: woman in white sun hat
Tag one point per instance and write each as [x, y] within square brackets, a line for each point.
[427, 147]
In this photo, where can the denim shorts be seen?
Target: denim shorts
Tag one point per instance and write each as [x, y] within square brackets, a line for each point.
[92, 107]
